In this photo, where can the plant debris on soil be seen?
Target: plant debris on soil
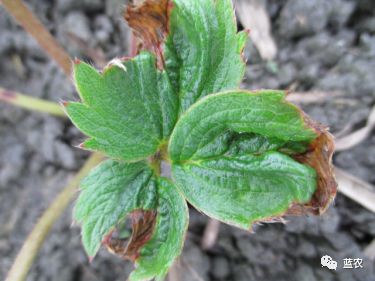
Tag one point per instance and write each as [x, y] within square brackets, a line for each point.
[325, 46]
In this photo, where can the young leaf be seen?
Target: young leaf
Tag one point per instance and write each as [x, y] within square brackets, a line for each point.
[247, 180]
[241, 190]
[166, 243]
[159, 213]
[203, 51]
[128, 111]
[108, 194]
[263, 112]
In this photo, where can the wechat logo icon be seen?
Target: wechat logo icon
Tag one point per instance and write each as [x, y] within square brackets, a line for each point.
[327, 261]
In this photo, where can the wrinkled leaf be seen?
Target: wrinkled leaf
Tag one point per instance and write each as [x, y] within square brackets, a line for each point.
[128, 111]
[158, 255]
[159, 215]
[244, 189]
[240, 157]
[265, 113]
[108, 194]
[232, 143]
[203, 51]
[232, 156]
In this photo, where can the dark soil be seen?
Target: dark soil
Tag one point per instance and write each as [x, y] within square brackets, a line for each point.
[323, 45]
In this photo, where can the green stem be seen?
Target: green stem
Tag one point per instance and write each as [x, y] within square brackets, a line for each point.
[161, 155]
[30, 103]
[34, 241]
[163, 151]
[155, 164]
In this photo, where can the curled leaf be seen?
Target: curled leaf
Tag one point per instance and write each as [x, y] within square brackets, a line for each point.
[273, 159]
[110, 193]
[265, 113]
[166, 243]
[143, 224]
[159, 216]
[203, 50]
[319, 156]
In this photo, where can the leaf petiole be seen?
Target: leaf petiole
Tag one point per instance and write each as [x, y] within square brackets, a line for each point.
[31, 103]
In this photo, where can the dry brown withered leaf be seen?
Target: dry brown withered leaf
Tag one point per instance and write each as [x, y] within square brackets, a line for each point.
[150, 20]
[143, 224]
[318, 156]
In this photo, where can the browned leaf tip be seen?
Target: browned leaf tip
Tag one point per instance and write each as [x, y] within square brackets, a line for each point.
[64, 103]
[76, 61]
[143, 224]
[150, 22]
[319, 156]
[81, 145]
[272, 219]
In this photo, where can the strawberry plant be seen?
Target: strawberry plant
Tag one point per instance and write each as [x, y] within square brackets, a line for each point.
[240, 157]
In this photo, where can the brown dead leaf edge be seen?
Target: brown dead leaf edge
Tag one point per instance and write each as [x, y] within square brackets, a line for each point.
[143, 224]
[318, 156]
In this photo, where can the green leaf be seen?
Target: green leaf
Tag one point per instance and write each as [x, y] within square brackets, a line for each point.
[203, 50]
[108, 194]
[128, 111]
[227, 160]
[114, 190]
[240, 190]
[231, 143]
[168, 238]
[265, 113]
[250, 143]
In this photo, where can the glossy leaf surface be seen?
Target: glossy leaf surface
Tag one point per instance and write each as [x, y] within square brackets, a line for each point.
[241, 190]
[265, 113]
[228, 161]
[203, 51]
[128, 111]
[108, 194]
[167, 241]
[240, 157]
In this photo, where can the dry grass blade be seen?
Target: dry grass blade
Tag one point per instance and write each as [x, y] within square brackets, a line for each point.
[32, 25]
[173, 274]
[210, 234]
[253, 16]
[193, 272]
[358, 136]
[35, 240]
[96, 54]
[312, 97]
[356, 189]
